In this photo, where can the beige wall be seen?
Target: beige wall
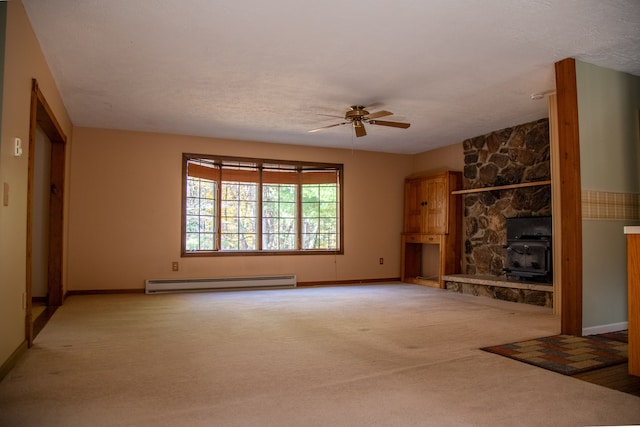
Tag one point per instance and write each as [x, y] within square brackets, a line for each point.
[125, 212]
[450, 157]
[23, 61]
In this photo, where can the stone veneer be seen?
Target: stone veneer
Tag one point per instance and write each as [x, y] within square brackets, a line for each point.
[516, 155]
[500, 288]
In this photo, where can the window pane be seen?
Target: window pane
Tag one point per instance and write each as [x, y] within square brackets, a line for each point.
[327, 210]
[310, 241]
[206, 241]
[238, 217]
[229, 208]
[320, 210]
[287, 241]
[207, 207]
[192, 243]
[270, 193]
[206, 189]
[247, 191]
[193, 187]
[310, 193]
[230, 191]
[206, 224]
[192, 223]
[288, 193]
[247, 242]
[327, 193]
[228, 242]
[287, 210]
[228, 226]
[269, 241]
[287, 226]
[200, 214]
[279, 216]
[310, 210]
[270, 209]
[247, 225]
[328, 225]
[193, 206]
[247, 209]
[270, 225]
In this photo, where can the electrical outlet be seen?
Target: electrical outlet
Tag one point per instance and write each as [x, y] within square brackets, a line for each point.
[175, 266]
[381, 261]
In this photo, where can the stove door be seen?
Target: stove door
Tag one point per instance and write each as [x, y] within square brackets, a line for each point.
[528, 258]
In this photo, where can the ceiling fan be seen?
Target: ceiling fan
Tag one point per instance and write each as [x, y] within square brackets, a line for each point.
[357, 115]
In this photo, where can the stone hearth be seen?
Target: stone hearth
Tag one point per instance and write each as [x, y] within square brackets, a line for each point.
[500, 288]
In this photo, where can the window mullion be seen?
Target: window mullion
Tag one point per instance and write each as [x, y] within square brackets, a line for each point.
[259, 208]
[218, 212]
[299, 212]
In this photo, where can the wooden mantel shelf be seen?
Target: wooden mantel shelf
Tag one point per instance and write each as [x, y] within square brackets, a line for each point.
[502, 187]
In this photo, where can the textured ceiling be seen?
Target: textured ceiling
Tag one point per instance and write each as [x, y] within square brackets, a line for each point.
[270, 70]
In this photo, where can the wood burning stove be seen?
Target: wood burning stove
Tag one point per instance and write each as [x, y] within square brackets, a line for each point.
[529, 249]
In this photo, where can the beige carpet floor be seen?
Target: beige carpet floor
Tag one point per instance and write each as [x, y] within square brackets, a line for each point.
[379, 355]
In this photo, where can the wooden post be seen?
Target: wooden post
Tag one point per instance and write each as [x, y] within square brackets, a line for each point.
[570, 197]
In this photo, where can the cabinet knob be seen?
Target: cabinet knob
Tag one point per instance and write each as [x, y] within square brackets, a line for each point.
[423, 203]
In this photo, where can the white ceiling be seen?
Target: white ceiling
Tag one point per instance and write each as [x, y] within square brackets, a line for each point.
[268, 70]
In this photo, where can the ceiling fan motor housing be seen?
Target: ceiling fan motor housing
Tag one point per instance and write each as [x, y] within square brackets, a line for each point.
[357, 112]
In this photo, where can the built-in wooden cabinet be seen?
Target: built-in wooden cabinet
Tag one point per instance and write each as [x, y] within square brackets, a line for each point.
[425, 205]
[432, 216]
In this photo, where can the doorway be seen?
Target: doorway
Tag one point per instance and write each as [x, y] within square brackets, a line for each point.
[45, 209]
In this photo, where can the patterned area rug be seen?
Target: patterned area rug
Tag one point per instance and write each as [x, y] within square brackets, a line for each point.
[618, 336]
[567, 354]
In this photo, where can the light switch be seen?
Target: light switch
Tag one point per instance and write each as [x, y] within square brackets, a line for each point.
[17, 147]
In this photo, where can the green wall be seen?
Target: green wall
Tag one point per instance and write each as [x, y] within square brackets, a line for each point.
[608, 105]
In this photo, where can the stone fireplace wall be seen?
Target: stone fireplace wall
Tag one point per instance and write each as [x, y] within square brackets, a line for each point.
[515, 155]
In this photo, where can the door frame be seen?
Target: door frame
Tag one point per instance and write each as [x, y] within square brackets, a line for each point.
[41, 115]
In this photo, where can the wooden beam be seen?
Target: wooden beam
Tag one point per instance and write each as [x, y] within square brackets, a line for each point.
[570, 197]
[556, 251]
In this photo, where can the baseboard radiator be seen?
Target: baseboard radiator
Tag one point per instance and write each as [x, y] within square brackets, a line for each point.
[219, 284]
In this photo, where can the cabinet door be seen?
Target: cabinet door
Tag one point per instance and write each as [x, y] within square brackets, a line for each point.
[435, 209]
[425, 209]
[414, 199]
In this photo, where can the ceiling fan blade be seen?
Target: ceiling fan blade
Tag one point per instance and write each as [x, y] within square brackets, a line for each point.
[392, 124]
[330, 115]
[377, 114]
[359, 128]
[327, 127]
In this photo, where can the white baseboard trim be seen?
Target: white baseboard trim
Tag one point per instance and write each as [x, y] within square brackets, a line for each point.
[603, 329]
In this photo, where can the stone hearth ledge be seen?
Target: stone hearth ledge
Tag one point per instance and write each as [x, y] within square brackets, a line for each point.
[498, 287]
[502, 282]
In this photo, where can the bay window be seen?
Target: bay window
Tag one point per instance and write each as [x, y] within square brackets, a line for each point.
[251, 206]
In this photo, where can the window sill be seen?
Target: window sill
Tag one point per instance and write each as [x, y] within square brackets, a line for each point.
[259, 253]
